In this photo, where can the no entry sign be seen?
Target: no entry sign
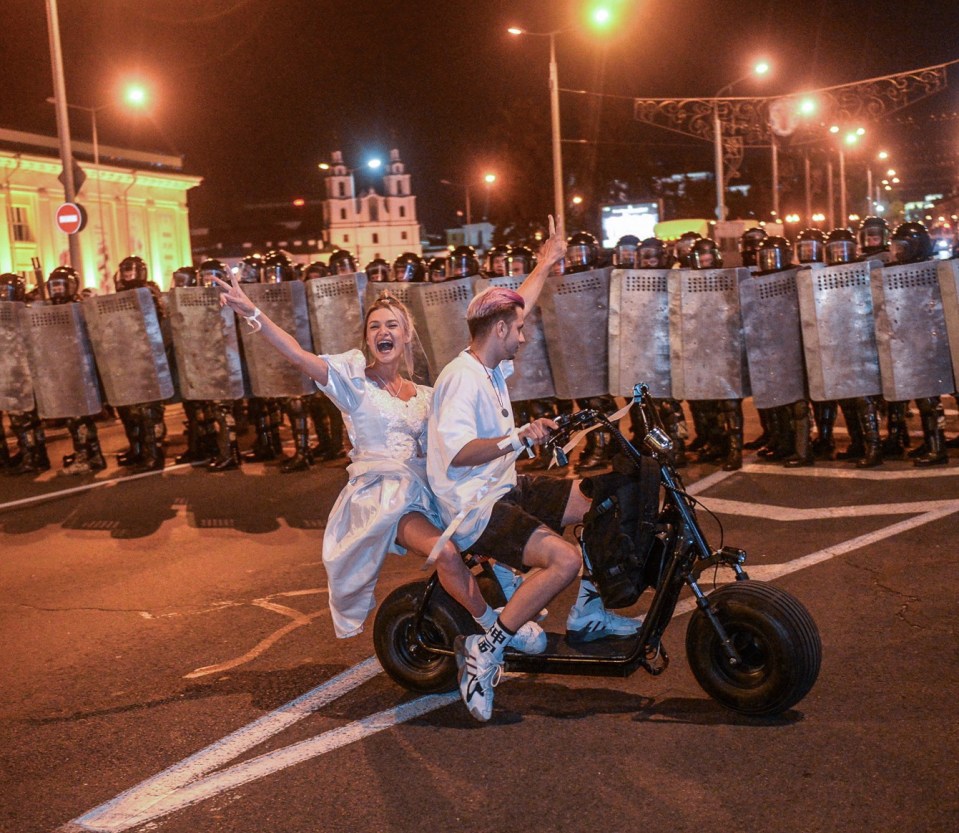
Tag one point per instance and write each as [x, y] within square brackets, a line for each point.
[71, 218]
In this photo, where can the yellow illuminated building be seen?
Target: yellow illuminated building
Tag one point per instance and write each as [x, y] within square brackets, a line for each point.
[136, 204]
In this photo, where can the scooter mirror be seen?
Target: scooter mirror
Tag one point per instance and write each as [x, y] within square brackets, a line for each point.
[658, 440]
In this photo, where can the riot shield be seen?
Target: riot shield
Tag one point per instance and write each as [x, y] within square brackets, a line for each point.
[948, 274]
[61, 361]
[706, 344]
[128, 346]
[205, 343]
[271, 375]
[576, 323]
[16, 385]
[639, 331]
[440, 313]
[532, 376]
[423, 373]
[773, 335]
[336, 312]
[839, 334]
[914, 359]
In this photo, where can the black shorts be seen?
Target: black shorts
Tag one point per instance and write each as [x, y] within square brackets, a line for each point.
[533, 502]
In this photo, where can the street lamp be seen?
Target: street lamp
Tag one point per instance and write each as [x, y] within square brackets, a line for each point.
[372, 164]
[488, 178]
[761, 68]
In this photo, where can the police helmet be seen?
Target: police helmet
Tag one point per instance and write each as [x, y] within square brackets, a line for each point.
[497, 261]
[749, 244]
[131, 274]
[811, 246]
[12, 287]
[652, 254]
[277, 268]
[873, 235]
[840, 247]
[436, 270]
[316, 269]
[774, 255]
[520, 260]
[704, 254]
[249, 269]
[342, 263]
[684, 246]
[212, 268]
[409, 267]
[63, 285]
[184, 276]
[910, 243]
[462, 262]
[582, 252]
[626, 252]
[378, 270]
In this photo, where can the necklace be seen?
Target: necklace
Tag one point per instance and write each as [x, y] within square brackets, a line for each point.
[386, 386]
[499, 399]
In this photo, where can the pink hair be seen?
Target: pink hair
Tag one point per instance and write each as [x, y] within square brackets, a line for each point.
[494, 300]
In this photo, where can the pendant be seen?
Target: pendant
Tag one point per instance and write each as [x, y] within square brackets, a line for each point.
[505, 412]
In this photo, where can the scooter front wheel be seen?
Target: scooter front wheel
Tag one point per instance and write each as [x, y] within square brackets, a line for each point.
[776, 639]
[401, 653]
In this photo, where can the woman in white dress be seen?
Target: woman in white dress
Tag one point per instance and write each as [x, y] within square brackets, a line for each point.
[387, 504]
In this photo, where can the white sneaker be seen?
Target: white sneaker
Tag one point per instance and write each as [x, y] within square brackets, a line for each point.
[530, 638]
[599, 623]
[509, 580]
[479, 673]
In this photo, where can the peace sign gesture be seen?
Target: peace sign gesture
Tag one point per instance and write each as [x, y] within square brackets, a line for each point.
[237, 300]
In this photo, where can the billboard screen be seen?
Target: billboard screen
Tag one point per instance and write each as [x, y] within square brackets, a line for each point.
[636, 218]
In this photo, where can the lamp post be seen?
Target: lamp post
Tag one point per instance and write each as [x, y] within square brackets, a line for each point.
[761, 68]
[63, 123]
[488, 178]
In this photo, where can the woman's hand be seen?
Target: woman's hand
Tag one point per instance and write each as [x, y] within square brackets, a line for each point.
[234, 297]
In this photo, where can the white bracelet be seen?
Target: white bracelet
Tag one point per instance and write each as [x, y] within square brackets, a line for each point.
[513, 441]
[254, 320]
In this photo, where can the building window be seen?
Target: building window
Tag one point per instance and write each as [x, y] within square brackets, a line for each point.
[20, 224]
[403, 235]
[342, 186]
[402, 211]
[342, 213]
[376, 237]
[346, 238]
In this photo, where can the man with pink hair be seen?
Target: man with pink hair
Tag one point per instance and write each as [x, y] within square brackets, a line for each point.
[517, 520]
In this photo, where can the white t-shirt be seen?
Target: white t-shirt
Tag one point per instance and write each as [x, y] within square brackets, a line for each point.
[468, 404]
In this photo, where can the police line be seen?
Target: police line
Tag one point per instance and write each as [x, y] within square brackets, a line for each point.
[826, 333]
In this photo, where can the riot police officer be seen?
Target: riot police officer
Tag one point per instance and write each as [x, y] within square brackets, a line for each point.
[184, 276]
[626, 252]
[143, 423]
[873, 234]
[409, 267]
[63, 286]
[436, 270]
[342, 262]
[378, 271]
[462, 263]
[31, 456]
[911, 243]
[520, 260]
[496, 261]
[749, 243]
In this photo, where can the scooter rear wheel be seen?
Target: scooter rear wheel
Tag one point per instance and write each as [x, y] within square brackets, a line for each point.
[774, 635]
[403, 658]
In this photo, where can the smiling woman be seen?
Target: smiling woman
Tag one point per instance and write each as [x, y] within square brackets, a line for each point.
[386, 505]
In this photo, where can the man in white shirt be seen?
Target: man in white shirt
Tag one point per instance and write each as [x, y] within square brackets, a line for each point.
[516, 520]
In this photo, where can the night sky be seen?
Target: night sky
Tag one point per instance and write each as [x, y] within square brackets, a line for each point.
[254, 93]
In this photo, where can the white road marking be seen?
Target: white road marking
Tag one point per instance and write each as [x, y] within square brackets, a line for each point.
[787, 513]
[125, 810]
[86, 487]
[298, 621]
[850, 473]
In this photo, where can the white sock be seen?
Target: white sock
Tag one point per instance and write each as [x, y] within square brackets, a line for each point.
[486, 619]
[495, 640]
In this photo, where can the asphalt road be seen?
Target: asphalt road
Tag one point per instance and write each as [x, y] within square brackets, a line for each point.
[169, 665]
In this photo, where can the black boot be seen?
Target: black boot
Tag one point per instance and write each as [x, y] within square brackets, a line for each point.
[824, 447]
[228, 451]
[153, 454]
[195, 450]
[763, 438]
[802, 429]
[131, 427]
[869, 424]
[732, 414]
[851, 414]
[302, 459]
[897, 436]
[29, 462]
[935, 438]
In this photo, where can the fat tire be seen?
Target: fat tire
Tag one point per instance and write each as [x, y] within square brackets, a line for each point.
[777, 639]
[406, 663]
